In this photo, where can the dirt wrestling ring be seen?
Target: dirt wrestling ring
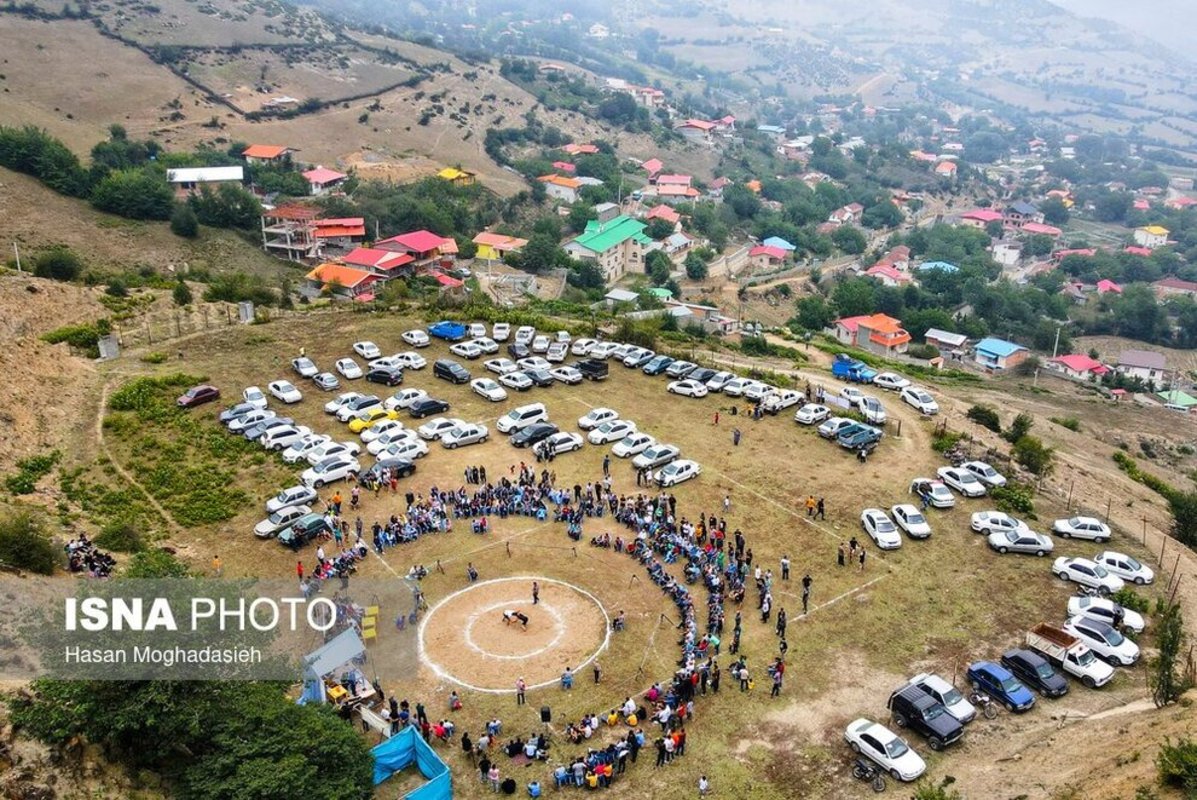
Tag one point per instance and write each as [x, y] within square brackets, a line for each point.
[464, 639]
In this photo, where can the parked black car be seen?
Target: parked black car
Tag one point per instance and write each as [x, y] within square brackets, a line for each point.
[912, 708]
[701, 374]
[450, 371]
[400, 466]
[427, 407]
[533, 434]
[658, 365]
[1036, 672]
[540, 377]
[518, 351]
[593, 369]
[387, 376]
[305, 530]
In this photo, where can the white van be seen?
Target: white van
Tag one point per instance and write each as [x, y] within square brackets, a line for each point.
[519, 418]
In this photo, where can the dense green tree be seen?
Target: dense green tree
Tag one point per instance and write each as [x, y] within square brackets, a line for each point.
[25, 545]
[658, 228]
[658, 266]
[814, 312]
[854, 296]
[696, 268]
[230, 206]
[183, 222]
[181, 294]
[850, 239]
[136, 193]
[1054, 211]
[58, 263]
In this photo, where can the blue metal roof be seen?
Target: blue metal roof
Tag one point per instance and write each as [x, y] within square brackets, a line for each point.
[942, 265]
[777, 241]
[999, 348]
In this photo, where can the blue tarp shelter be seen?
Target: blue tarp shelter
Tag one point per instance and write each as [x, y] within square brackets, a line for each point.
[336, 653]
[404, 749]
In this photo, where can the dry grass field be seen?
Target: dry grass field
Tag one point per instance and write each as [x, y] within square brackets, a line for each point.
[931, 605]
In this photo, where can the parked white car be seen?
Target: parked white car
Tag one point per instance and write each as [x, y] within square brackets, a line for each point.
[633, 444]
[298, 451]
[291, 496]
[466, 350]
[910, 519]
[392, 437]
[416, 338]
[558, 443]
[254, 397]
[462, 435]
[567, 375]
[852, 394]
[602, 350]
[533, 362]
[611, 431]
[516, 380]
[500, 331]
[780, 399]
[891, 381]
[340, 401]
[935, 493]
[719, 380]
[410, 359]
[403, 398]
[330, 449]
[736, 386]
[386, 362]
[832, 426]
[872, 410]
[500, 366]
[885, 749]
[557, 352]
[366, 349]
[476, 329]
[1086, 573]
[486, 345]
[410, 449]
[991, 521]
[525, 334]
[384, 425]
[1125, 567]
[582, 346]
[305, 367]
[326, 382]
[436, 427]
[1106, 641]
[880, 528]
[676, 472]
[284, 436]
[656, 455]
[985, 473]
[1082, 528]
[279, 520]
[947, 694]
[485, 387]
[596, 417]
[349, 369]
[540, 344]
[331, 470]
[1106, 610]
[919, 399]
[687, 388]
[812, 413]
[1027, 542]
[962, 481]
[285, 391]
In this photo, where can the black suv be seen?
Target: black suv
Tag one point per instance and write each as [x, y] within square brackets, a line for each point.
[913, 708]
[427, 406]
[450, 371]
[533, 434]
[593, 369]
[1035, 671]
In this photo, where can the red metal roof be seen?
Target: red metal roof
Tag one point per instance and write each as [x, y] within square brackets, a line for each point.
[766, 250]
[417, 241]
[323, 175]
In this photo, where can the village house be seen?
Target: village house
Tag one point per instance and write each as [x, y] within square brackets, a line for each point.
[1078, 367]
[653, 167]
[889, 275]
[877, 333]
[493, 246]
[674, 180]
[322, 180]
[765, 257]
[1040, 229]
[605, 212]
[425, 247]
[711, 319]
[457, 176]
[192, 180]
[945, 341]
[696, 130]
[673, 193]
[615, 247]
[946, 169]
[1169, 287]
[341, 281]
[1151, 236]
[565, 166]
[1016, 215]
[1146, 365]
[266, 154]
[715, 188]
[341, 232]
[980, 218]
[575, 149]
[997, 354]
[1007, 253]
[1136, 250]
[1060, 255]
[560, 188]
[677, 244]
[666, 213]
[1107, 286]
[846, 215]
[383, 263]
[289, 232]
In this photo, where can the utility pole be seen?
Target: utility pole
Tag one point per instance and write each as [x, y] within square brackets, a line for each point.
[1056, 346]
[16, 252]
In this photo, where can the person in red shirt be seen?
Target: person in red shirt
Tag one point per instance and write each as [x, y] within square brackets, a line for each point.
[299, 569]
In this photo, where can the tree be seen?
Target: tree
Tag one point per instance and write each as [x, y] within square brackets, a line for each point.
[853, 297]
[1040, 244]
[658, 266]
[994, 229]
[136, 193]
[183, 222]
[58, 263]
[1167, 681]
[658, 229]
[814, 313]
[25, 545]
[1032, 454]
[230, 206]
[1020, 427]
[579, 215]
[1184, 517]
[541, 254]
[181, 294]
[696, 268]
[850, 239]
[1054, 211]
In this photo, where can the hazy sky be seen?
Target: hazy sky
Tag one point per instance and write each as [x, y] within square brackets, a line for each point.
[1172, 22]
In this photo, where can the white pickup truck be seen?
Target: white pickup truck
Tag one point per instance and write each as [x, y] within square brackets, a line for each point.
[781, 399]
[1070, 654]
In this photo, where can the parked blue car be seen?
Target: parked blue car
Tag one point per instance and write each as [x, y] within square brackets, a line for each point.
[997, 682]
[449, 331]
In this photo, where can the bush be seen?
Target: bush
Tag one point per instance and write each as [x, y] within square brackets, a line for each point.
[1160, 487]
[84, 337]
[985, 416]
[121, 537]
[925, 790]
[1128, 598]
[1014, 498]
[923, 351]
[181, 294]
[945, 441]
[156, 564]
[156, 357]
[1020, 427]
[1071, 423]
[117, 288]
[183, 222]
[1177, 765]
[30, 471]
[24, 545]
[58, 263]
[1034, 455]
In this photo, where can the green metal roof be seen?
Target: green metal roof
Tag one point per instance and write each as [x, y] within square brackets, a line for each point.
[602, 236]
[660, 291]
[1177, 397]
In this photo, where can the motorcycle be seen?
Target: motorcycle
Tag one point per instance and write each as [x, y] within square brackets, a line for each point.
[985, 703]
[867, 771]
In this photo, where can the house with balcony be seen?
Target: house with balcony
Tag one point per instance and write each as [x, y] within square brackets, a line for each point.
[616, 247]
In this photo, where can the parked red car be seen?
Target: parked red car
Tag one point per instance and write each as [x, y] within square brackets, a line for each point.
[198, 395]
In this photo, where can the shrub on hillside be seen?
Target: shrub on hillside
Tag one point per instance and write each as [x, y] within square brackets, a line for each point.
[121, 537]
[985, 416]
[58, 263]
[183, 222]
[1014, 498]
[30, 471]
[1177, 765]
[24, 545]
